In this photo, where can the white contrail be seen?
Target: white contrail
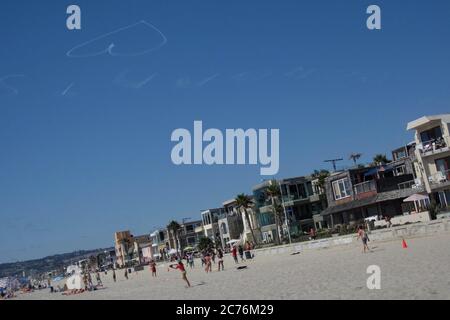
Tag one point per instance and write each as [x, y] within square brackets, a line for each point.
[67, 89]
[208, 79]
[109, 49]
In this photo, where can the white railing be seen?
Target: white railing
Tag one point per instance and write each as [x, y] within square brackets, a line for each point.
[407, 185]
[432, 145]
[440, 177]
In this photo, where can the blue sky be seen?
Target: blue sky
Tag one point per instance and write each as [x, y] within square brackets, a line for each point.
[85, 142]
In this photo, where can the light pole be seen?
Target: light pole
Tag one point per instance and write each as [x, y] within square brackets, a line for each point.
[285, 214]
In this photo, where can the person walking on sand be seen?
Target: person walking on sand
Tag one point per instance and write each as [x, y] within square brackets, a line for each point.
[126, 273]
[364, 238]
[234, 254]
[180, 266]
[153, 268]
[220, 257]
[312, 234]
[114, 275]
[241, 253]
[99, 280]
[208, 262]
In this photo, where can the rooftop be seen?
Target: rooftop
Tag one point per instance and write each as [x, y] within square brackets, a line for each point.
[426, 120]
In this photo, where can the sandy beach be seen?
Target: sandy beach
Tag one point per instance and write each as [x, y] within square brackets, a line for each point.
[418, 272]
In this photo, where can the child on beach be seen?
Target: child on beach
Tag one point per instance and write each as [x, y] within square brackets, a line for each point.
[153, 268]
[364, 238]
[180, 266]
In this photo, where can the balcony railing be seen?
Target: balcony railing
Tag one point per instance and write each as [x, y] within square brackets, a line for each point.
[365, 187]
[441, 177]
[407, 185]
[432, 146]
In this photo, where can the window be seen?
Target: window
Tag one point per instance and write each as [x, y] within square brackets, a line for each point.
[341, 188]
[431, 134]
[399, 154]
[400, 170]
[302, 191]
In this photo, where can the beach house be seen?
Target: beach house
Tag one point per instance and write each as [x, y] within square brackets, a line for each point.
[374, 190]
[210, 223]
[264, 212]
[432, 138]
[301, 199]
[190, 234]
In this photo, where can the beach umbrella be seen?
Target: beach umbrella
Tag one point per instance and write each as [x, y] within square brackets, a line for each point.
[417, 199]
[233, 242]
[189, 248]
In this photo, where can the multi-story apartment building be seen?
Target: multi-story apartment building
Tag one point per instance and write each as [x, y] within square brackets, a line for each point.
[237, 224]
[264, 212]
[432, 152]
[126, 252]
[143, 247]
[188, 235]
[301, 198]
[159, 243]
[210, 222]
[376, 190]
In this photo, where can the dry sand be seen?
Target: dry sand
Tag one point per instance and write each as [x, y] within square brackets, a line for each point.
[422, 271]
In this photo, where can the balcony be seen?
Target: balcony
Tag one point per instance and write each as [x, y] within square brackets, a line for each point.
[407, 185]
[439, 179]
[368, 188]
[432, 147]
[292, 200]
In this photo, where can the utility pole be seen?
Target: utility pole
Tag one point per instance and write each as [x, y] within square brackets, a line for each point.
[334, 162]
[285, 214]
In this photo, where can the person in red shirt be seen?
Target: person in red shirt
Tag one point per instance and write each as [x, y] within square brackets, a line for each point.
[234, 254]
[180, 266]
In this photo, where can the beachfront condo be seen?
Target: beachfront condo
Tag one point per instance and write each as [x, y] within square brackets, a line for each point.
[125, 248]
[264, 212]
[232, 224]
[373, 190]
[303, 202]
[432, 138]
[159, 243]
[210, 223]
[188, 235]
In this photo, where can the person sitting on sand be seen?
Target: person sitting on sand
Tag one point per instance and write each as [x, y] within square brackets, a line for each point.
[364, 238]
[180, 266]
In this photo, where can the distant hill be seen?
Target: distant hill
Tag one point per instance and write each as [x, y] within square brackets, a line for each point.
[46, 264]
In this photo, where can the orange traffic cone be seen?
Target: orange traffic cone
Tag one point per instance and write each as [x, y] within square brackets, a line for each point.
[404, 245]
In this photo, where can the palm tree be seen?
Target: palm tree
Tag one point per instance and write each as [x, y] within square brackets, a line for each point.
[273, 192]
[205, 243]
[355, 157]
[321, 176]
[174, 227]
[380, 159]
[244, 202]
